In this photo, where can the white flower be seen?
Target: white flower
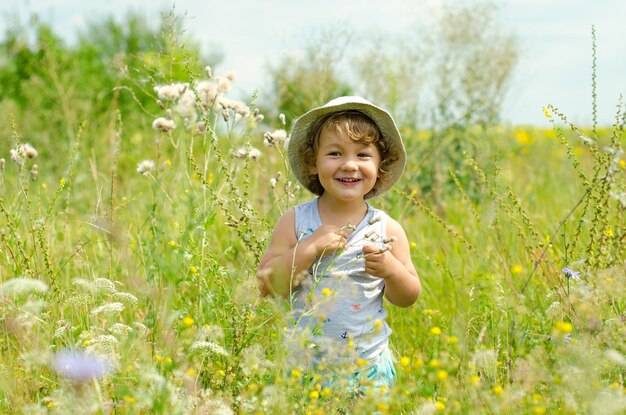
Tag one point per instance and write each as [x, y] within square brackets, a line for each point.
[120, 329]
[204, 346]
[125, 298]
[254, 153]
[170, 92]
[20, 285]
[163, 124]
[108, 308]
[282, 119]
[104, 286]
[274, 138]
[146, 167]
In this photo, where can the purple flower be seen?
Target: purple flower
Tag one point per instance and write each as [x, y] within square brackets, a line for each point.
[570, 273]
[78, 365]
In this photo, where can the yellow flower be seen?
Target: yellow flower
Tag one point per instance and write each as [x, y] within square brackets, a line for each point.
[539, 410]
[50, 404]
[296, 373]
[314, 394]
[159, 358]
[442, 375]
[434, 363]
[350, 343]
[326, 291]
[440, 406]
[362, 362]
[325, 392]
[522, 137]
[168, 163]
[378, 323]
[622, 164]
[62, 182]
[498, 390]
[546, 112]
[86, 343]
[191, 372]
[188, 321]
[516, 269]
[563, 327]
[382, 406]
[435, 331]
[453, 339]
[608, 232]
[168, 360]
[129, 399]
[405, 361]
[193, 270]
[474, 379]
[413, 245]
[172, 244]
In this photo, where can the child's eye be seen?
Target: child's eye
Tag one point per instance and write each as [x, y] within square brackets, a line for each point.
[364, 155]
[334, 153]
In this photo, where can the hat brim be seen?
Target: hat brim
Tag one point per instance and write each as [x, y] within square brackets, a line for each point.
[299, 141]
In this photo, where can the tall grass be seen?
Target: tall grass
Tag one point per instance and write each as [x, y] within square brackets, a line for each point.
[135, 240]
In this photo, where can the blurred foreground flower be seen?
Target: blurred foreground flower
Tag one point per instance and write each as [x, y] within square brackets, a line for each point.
[20, 285]
[570, 273]
[80, 366]
[146, 167]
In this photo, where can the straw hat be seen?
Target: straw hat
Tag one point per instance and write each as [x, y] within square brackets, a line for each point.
[299, 141]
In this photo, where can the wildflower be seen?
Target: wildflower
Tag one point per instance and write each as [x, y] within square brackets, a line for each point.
[621, 163]
[608, 232]
[188, 321]
[563, 327]
[34, 172]
[498, 390]
[170, 92]
[405, 361]
[440, 406]
[382, 406]
[28, 151]
[209, 71]
[314, 394]
[374, 220]
[240, 153]
[326, 291]
[273, 182]
[274, 138]
[205, 346]
[474, 379]
[546, 112]
[281, 117]
[108, 308]
[80, 366]
[146, 167]
[435, 331]
[413, 245]
[173, 244]
[163, 124]
[390, 240]
[516, 269]
[15, 287]
[104, 285]
[442, 375]
[254, 153]
[378, 323]
[569, 273]
[125, 298]
[120, 329]
[434, 363]
[539, 410]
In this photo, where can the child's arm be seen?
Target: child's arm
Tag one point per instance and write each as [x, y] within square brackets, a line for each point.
[402, 284]
[286, 257]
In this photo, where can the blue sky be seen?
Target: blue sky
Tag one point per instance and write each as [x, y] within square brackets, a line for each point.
[554, 36]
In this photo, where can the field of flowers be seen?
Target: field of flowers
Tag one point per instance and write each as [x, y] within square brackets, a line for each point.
[130, 237]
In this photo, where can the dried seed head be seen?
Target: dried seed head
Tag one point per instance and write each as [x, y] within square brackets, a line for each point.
[163, 124]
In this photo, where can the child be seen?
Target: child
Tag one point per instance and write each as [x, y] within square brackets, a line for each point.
[336, 255]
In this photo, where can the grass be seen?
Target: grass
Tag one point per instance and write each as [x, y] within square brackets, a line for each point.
[155, 270]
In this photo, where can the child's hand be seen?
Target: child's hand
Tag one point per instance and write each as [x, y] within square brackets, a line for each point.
[379, 262]
[327, 239]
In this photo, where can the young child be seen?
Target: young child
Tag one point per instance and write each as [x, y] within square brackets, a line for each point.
[335, 256]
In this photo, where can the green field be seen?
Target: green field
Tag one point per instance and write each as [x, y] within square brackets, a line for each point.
[137, 200]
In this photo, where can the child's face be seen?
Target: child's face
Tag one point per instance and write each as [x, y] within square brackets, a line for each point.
[347, 170]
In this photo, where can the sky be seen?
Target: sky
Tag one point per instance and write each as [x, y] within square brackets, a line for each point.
[554, 39]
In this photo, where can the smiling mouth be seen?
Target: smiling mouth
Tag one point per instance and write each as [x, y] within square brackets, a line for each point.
[346, 180]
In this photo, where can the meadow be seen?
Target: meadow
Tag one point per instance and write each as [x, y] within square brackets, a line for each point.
[130, 233]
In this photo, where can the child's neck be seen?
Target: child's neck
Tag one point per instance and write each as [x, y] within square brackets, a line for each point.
[341, 213]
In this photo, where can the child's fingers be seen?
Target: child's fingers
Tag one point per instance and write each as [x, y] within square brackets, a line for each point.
[374, 249]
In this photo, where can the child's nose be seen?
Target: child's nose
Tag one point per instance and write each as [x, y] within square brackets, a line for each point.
[350, 165]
